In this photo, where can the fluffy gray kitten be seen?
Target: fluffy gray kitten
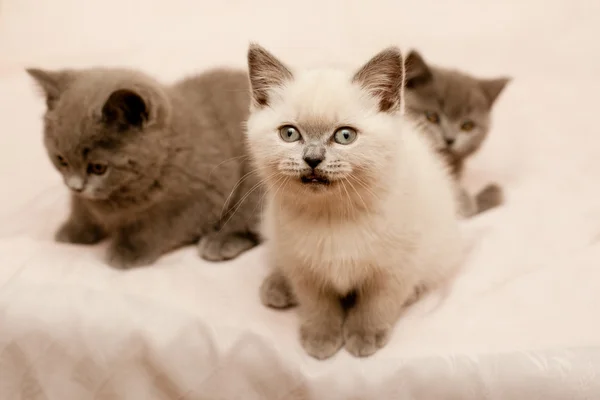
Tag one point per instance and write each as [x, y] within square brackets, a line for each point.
[454, 109]
[153, 167]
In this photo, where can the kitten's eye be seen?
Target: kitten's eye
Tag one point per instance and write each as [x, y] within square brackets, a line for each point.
[62, 161]
[467, 126]
[345, 135]
[96, 169]
[432, 117]
[289, 134]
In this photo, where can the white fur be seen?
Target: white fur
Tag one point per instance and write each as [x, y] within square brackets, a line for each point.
[409, 230]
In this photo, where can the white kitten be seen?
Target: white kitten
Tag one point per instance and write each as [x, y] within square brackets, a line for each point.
[358, 205]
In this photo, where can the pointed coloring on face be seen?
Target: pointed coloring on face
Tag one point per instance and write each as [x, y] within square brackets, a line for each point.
[382, 76]
[266, 72]
[324, 130]
[52, 83]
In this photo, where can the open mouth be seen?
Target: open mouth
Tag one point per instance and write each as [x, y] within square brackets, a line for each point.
[314, 179]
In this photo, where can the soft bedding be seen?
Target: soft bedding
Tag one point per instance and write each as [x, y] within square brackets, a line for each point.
[519, 322]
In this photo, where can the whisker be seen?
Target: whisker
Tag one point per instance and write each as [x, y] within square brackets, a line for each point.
[357, 193]
[239, 182]
[225, 161]
[350, 202]
[365, 186]
[238, 205]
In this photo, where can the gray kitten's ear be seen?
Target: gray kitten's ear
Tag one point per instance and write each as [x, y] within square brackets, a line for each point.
[417, 71]
[492, 88]
[382, 77]
[52, 83]
[125, 108]
[266, 72]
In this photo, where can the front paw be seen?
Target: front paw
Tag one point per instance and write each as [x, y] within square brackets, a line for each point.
[321, 339]
[124, 256]
[221, 247]
[77, 233]
[276, 291]
[363, 340]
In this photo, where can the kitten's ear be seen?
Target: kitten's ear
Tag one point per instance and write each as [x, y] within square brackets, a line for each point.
[417, 71]
[492, 88]
[266, 72]
[52, 83]
[382, 77]
[125, 108]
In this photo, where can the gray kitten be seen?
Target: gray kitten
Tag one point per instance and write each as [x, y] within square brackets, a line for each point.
[153, 167]
[454, 109]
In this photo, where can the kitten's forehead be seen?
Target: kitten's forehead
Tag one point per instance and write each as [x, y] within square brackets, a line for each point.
[73, 124]
[455, 94]
[320, 100]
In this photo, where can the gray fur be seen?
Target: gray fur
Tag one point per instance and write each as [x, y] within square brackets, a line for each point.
[444, 102]
[152, 166]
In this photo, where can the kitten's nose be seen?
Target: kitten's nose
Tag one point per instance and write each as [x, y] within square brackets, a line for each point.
[449, 141]
[313, 161]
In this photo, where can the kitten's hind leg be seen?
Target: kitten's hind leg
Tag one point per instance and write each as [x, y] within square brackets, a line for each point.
[276, 291]
[490, 197]
[466, 204]
[80, 228]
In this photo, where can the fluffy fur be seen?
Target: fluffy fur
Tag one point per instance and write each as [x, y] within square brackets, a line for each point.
[353, 237]
[154, 167]
[454, 110]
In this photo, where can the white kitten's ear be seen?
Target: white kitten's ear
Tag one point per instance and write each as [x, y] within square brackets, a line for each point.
[382, 77]
[52, 83]
[125, 108]
[266, 72]
[417, 71]
[493, 87]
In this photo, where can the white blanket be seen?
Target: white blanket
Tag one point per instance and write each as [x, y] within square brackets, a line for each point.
[521, 320]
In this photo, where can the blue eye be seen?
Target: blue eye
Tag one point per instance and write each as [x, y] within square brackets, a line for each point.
[345, 136]
[289, 134]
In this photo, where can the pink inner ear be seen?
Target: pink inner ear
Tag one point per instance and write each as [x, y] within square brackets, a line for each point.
[382, 76]
[266, 72]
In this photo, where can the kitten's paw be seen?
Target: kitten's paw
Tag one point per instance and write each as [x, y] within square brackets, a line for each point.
[490, 197]
[276, 291]
[321, 339]
[363, 341]
[466, 203]
[221, 247]
[122, 256]
[72, 232]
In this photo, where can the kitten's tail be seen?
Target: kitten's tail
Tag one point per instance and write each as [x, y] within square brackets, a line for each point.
[489, 197]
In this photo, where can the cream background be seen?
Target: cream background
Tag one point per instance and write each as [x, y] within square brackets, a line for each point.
[520, 322]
